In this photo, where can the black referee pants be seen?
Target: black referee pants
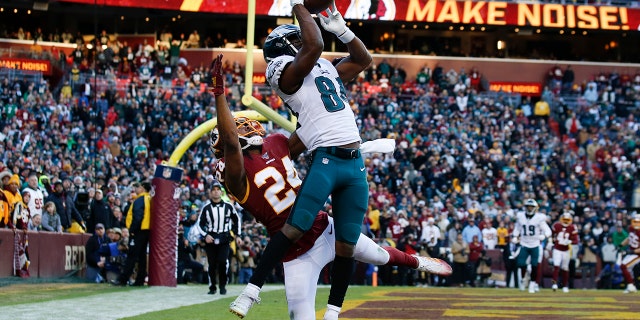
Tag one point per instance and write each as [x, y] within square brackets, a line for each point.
[217, 256]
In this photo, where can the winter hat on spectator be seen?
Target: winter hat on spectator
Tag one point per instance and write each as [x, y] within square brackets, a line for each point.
[15, 179]
[5, 173]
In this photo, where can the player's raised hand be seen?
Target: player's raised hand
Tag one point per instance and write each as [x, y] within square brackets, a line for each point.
[217, 80]
[335, 24]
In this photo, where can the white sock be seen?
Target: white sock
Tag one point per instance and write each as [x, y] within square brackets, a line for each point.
[333, 308]
[252, 290]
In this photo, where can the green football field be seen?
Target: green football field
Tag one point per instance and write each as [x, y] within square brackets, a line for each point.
[60, 300]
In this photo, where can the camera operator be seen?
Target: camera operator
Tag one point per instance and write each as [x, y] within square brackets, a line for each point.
[113, 257]
[81, 198]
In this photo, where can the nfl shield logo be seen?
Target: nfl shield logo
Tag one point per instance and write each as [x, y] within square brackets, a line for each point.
[325, 161]
[166, 173]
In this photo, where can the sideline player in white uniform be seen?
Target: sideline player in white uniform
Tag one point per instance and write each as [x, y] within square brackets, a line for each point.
[532, 229]
[633, 257]
[36, 202]
[565, 234]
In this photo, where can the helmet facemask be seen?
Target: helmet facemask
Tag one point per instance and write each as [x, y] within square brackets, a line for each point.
[530, 207]
[250, 132]
[566, 218]
[635, 222]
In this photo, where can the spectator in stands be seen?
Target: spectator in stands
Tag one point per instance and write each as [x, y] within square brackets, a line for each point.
[35, 223]
[194, 40]
[92, 253]
[50, 218]
[588, 258]
[36, 198]
[460, 251]
[99, 212]
[65, 207]
[471, 230]
[476, 250]
[489, 234]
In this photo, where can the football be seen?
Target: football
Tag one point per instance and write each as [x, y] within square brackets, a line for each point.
[317, 6]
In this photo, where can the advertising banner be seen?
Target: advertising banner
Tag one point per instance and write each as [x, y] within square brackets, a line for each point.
[43, 66]
[497, 13]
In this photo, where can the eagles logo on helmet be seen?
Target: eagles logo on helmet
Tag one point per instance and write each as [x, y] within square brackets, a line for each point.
[281, 41]
[566, 218]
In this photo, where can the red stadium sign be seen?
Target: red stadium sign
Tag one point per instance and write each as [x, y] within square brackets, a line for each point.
[498, 13]
[532, 89]
[43, 66]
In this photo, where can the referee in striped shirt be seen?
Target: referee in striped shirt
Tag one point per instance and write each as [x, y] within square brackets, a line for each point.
[215, 222]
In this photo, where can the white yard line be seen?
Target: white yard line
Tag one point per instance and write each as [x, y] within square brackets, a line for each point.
[116, 305]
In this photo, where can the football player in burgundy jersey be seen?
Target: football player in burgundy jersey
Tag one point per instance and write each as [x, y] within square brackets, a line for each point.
[564, 235]
[259, 173]
[633, 257]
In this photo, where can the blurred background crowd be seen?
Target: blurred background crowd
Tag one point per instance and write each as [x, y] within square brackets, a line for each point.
[465, 156]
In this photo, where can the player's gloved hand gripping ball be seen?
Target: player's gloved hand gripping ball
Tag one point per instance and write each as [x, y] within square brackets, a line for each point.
[217, 79]
[335, 24]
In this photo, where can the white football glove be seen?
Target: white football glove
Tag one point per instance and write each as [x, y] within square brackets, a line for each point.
[335, 24]
[294, 2]
[542, 237]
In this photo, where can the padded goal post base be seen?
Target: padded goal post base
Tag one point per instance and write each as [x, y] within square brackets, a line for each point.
[165, 201]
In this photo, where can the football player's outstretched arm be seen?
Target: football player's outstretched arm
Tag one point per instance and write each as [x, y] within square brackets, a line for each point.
[359, 57]
[308, 54]
[235, 176]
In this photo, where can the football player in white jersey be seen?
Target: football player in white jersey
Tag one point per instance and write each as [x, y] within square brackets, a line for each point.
[532, 228]
[36, 202]
[312, 87]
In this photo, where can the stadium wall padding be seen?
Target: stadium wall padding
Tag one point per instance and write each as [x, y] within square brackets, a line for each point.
[51, 254]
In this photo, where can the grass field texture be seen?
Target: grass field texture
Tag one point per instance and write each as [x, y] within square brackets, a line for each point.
[361, 303]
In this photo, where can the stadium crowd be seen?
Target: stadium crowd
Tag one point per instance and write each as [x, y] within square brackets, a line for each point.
[464, 156]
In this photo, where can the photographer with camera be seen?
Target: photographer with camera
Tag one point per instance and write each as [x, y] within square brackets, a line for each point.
[113, 256]
[246, 254]
[82, 199]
